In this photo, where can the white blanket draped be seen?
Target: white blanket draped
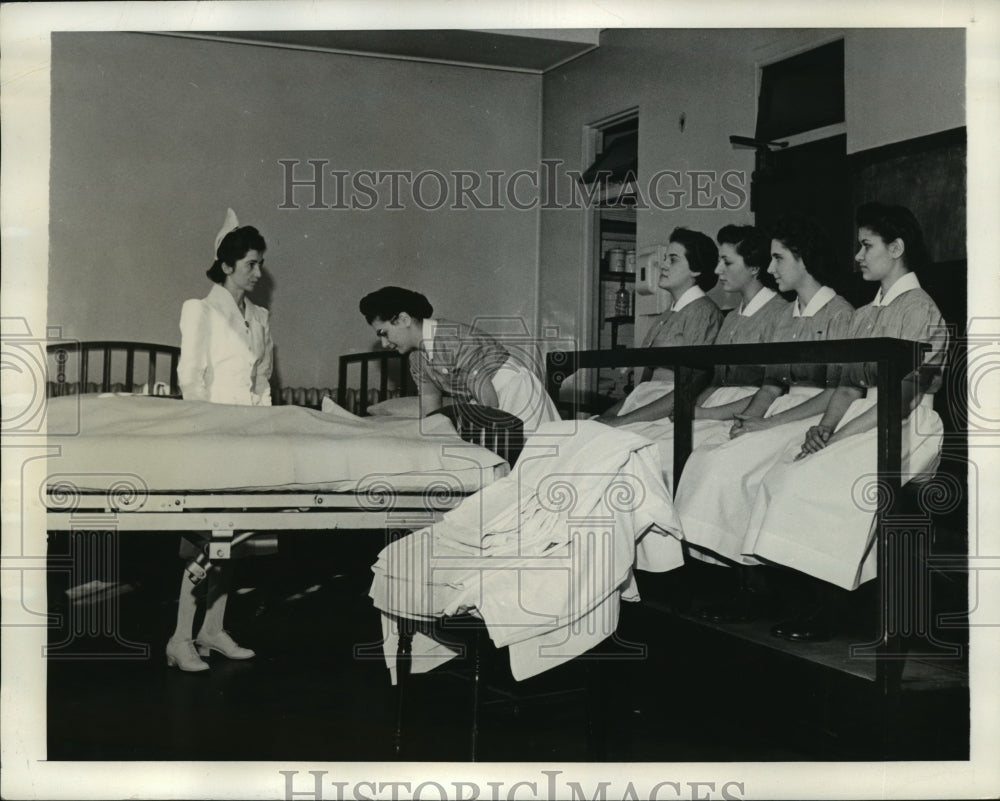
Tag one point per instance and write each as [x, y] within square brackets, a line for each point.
[543, 556]
[194, 445]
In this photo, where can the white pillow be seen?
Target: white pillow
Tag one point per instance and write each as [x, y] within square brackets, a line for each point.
[328, 406]
[396, 407]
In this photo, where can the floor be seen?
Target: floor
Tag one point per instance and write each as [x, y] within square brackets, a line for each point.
[667, 688]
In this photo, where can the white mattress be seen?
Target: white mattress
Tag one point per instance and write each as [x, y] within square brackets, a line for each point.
[174, 445]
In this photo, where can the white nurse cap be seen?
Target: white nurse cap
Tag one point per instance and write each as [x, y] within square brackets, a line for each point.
[231, 224]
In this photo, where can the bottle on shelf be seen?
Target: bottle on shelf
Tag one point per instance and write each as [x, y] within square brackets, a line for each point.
[623, 302]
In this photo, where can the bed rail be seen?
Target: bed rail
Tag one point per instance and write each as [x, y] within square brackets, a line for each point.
[490, 428]
[899, 570]
[393, 373]
[493, 429]
[123, 367]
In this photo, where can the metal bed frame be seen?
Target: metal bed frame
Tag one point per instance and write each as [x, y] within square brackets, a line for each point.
[131, 506]
[110, 353]
[391, 365]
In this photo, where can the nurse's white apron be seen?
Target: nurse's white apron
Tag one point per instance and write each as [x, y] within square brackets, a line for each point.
[521, 394]
[722, 476]
[817, 515]
[662, 431]
[645, 393]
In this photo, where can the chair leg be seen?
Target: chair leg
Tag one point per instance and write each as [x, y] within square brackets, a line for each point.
[476, 678]
[404, 654]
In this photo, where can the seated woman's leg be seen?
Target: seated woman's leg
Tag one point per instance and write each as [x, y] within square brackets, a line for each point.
[817, 515]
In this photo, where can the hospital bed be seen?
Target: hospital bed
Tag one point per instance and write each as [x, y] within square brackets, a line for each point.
[127, 456]
[904, 536]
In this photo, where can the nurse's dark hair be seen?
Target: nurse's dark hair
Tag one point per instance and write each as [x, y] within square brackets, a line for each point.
[702, 255]
[896, 222]
[807, 240]
[233, 247]
[753, 246]
[389, 301]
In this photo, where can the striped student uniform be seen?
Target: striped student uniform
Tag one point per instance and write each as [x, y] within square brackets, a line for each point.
[714, 512]
[753, 323]
[816, 515]
[693, 319]
[458, 360]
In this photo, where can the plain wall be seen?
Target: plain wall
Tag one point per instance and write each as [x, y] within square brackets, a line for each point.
[899, 84]
[153, 137]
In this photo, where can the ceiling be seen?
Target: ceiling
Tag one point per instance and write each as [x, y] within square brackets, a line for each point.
[516, 50]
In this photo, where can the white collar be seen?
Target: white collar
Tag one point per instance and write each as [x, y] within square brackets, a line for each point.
[429, 329]
[223, 300]
[903, 284]
[756, 302]
[692, 294]
[823, 296]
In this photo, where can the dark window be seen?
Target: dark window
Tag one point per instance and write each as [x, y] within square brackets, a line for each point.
[802, 93]
[619, 156]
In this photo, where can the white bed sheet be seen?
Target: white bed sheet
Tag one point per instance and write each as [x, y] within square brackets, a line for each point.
[194, 446]
[544, 556]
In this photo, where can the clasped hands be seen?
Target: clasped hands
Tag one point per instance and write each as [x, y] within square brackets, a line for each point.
[745, 424]
[817, 437]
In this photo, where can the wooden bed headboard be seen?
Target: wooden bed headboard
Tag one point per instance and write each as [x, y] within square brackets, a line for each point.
[110, 366]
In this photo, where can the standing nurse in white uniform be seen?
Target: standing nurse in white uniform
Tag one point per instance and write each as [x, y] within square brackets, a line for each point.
[226, 357]
[226, 343]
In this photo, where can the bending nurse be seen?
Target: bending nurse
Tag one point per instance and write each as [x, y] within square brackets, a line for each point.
[454, 361]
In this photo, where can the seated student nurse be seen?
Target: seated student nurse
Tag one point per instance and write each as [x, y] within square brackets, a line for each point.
[692, 319]
[809, 513]
[742, 270]
[453, 362]
[790, 398]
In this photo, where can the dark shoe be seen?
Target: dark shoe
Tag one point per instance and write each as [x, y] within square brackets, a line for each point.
[744, 607]
[812, 626]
